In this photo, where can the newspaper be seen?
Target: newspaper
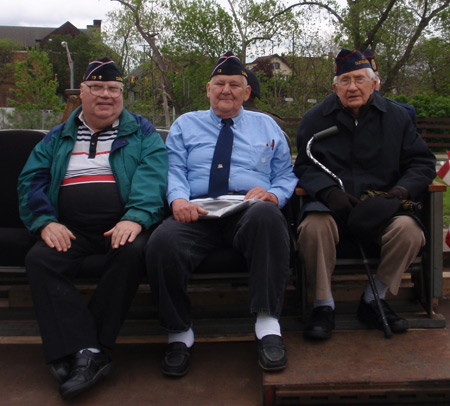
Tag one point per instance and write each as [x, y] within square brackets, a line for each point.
[222, 206]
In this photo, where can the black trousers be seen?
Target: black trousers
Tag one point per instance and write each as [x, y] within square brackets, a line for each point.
[175, 249]
[66, 323]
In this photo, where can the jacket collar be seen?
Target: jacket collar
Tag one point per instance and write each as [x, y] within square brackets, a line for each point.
[332, 103]
[127, 124]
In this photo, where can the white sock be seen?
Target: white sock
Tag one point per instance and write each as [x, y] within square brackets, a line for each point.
[93, 350]
[186, 337]
[266, 325]
[326, 302]
[381, 289]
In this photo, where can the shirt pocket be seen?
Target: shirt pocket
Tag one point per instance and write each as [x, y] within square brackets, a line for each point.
[262, 158]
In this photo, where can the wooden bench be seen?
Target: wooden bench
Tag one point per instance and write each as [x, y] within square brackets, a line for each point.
[218, 288]
[435, 132]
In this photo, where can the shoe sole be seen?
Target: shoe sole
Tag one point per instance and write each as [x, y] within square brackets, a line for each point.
[70, 393]
[175, 374]
[272, 369]
[377, 326]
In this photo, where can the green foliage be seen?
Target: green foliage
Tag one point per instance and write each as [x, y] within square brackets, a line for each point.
[35, 90]
[432, 63]
[409, 38]
[201, 26]
[7, 48]
[427, 105]
[192, 72]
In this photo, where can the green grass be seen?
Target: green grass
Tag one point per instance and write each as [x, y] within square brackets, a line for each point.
[446, 203]
[446, 208]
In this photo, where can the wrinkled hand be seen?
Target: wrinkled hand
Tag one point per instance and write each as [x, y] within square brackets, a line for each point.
[186, 212]
[58, 236]
[338, 201]
[123, 232]
[397, 192]
[261, 194]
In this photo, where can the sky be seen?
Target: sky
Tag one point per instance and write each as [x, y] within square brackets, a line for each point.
[54, 13]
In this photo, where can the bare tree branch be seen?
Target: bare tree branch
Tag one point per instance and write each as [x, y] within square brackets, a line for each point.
[307, 3]
[425, 21]
[373, 32]
[150, 38]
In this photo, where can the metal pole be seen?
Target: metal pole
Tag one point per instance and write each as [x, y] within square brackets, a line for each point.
[69, 59]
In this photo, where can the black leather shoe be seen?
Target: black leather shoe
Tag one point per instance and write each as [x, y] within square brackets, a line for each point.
[321, 323]
[61, 369]
[272, 354]
[369, 314]
[176, 360]
[87, 369]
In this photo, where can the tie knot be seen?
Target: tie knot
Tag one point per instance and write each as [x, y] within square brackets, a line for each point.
[227, 121]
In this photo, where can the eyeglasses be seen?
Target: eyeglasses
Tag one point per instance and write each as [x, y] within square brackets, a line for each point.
[98, 90]
[359, 80]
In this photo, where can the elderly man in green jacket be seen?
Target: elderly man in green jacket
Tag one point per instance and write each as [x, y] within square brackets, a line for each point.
[94, 185]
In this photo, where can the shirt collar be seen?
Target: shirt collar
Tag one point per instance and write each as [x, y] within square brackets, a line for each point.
[83, 121]
[216, 119]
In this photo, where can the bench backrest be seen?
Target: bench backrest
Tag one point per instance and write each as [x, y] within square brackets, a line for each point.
[15, 148]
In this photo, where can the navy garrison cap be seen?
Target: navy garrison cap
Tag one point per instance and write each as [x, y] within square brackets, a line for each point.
[104, 70]
[229, 64]
[371, 58]
[253, 81]
[348, 61]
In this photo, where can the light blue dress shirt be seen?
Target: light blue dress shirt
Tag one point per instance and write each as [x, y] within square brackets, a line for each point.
[261, 156]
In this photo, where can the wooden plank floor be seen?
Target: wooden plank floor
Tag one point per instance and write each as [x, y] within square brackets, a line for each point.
[355, 367]
[362, 367]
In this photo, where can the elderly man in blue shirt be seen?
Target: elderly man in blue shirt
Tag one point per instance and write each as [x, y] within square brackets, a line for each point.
[257, 166]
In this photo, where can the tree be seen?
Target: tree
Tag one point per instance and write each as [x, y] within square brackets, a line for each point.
[7, 49]
[202, 27]
[183, 39]
[431, 66]
[146, 23]
[35, 88]
[390, 27]
[258, 22]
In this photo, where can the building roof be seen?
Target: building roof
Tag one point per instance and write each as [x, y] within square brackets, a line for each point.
[29, 36]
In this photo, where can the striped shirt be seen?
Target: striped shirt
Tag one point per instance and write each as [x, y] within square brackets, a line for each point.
[89, 162]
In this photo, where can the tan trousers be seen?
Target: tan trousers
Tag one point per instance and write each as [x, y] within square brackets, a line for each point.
[400, 243]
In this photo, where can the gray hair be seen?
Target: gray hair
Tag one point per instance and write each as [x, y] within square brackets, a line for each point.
[369, 71]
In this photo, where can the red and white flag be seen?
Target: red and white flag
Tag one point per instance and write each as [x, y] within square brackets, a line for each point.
[444, 174]
[444, 171]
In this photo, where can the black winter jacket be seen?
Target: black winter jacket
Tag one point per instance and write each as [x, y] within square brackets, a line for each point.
[378, 150]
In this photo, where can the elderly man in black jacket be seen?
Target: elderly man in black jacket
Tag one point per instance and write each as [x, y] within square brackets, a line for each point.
[376, 149]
